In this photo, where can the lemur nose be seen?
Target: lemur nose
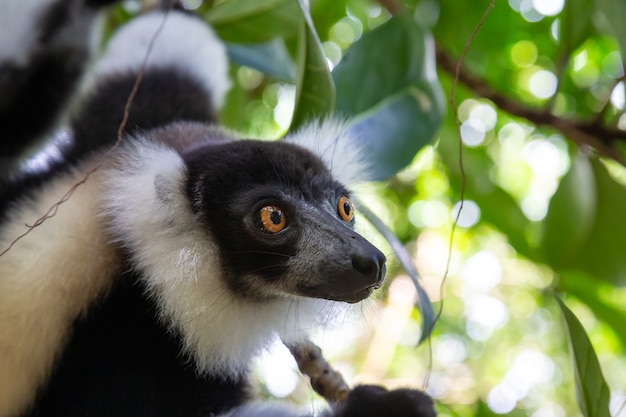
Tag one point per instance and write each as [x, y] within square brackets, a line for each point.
[372, 266]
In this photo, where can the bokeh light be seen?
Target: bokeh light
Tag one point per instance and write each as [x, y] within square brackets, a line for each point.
[500, 343]
[548, 7]
[542, 84]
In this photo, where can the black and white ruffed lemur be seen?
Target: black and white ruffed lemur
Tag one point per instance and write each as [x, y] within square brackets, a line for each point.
[186, 253]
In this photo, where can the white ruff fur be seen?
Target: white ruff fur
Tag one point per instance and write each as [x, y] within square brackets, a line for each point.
[65, 258]
[262, 409]
[335, 145]
[151, 216]
[180, 41]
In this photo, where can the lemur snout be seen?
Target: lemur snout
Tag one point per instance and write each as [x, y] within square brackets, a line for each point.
[371, 266]
[366, 275]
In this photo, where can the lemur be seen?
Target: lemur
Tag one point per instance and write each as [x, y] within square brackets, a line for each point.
[182, 251]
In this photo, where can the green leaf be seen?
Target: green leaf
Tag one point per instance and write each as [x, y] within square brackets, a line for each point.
[591, 389]
[584, 229]
[610, 20]
[271, 58]
[571, 214]
[383, 62]
[575, 26]
[423, 302]
[315, 90]
[602, 254]
[250, 21]
[588, 290]
[391, 68]
[403, 122]
[325, 13]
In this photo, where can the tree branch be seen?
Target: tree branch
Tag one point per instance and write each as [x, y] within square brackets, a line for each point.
[325, 380]
[592, 134]
[595, 135]
[394, 7]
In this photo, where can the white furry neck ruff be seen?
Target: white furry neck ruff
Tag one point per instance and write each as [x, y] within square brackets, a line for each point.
[149, 214]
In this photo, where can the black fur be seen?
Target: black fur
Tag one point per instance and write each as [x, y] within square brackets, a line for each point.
[120, 359]
[33, 98]
[121, 362]
[58, 16]
[373, 400]
[35, 95]
[229, 183]
[165, 95]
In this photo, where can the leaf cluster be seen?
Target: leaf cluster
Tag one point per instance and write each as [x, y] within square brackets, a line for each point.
[541, 108]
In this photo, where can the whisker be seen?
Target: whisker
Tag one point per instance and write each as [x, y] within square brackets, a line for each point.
[260, 252]
[208, 307]
[294, 314]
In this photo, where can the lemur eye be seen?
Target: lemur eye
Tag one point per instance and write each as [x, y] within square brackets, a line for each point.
[273, 219]
[345, 209]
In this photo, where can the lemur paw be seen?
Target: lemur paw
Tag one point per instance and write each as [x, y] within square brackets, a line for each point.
[376, 401]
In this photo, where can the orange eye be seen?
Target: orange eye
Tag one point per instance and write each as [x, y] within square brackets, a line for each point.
[345, 209]
[273, 219]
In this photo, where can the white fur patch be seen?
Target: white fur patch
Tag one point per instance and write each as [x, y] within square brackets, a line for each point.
[18, 36]
[151, 216]
[335, 145]
[263, 409]
[47, 280]
[20, 21]
[180, 40]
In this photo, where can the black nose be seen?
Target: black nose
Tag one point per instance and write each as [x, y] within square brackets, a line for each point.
[371, 266]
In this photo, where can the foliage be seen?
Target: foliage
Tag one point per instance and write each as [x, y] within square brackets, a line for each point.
[541, 102]
[593, 393]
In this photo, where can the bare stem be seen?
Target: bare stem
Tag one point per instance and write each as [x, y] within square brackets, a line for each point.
[599, 137]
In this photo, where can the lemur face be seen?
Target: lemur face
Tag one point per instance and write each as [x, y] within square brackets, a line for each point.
[283, 224]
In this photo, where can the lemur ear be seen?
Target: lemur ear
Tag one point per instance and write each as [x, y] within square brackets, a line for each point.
[337, 146]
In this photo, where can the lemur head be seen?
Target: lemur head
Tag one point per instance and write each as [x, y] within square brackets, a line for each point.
[239, 241]
[283, 224]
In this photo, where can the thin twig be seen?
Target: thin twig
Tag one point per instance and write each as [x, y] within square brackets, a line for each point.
[52, 211]
[394, 7]
[452, 100]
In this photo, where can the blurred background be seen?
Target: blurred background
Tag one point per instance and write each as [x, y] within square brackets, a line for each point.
[541, 117]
